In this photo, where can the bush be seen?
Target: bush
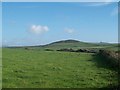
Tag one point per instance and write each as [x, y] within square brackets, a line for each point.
[48, 50]
[67, 50]
[112, 56]
[86, 50]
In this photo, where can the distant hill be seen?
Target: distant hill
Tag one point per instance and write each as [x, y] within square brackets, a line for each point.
[66, 41]
[74, 44]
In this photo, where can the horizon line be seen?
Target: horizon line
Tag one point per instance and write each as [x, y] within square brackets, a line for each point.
[58, 41]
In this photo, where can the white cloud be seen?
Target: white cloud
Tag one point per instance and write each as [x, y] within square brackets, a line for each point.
[69, 30]
[38, 29]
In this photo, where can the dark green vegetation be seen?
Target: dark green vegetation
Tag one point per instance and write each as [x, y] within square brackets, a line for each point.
[33, 67]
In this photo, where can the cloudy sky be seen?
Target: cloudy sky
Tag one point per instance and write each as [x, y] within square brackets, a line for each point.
[42, 23]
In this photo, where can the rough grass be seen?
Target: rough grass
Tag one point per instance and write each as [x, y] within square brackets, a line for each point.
[51, 69]
[0, 68]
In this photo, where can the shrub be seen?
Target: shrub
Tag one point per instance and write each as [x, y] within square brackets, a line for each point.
[112, 56]
[48, 50]
[67, 50]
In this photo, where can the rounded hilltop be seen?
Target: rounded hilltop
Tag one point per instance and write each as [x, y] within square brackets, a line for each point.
[67, 41]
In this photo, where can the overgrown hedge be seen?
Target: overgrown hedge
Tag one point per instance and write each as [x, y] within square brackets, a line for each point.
[112, 56]
[78, 50]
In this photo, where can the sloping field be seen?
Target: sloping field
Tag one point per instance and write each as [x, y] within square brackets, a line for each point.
[52, 69]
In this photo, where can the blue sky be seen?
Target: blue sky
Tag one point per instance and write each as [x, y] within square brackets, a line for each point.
[42, 23]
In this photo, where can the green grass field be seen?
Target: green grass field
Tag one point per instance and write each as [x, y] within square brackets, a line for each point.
[0, 68]
[51, 69]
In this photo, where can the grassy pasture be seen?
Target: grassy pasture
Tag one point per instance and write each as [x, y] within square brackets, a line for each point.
[52, 69]
[0, 67]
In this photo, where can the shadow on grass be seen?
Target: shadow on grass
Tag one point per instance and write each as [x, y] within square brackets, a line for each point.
[102, 62]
